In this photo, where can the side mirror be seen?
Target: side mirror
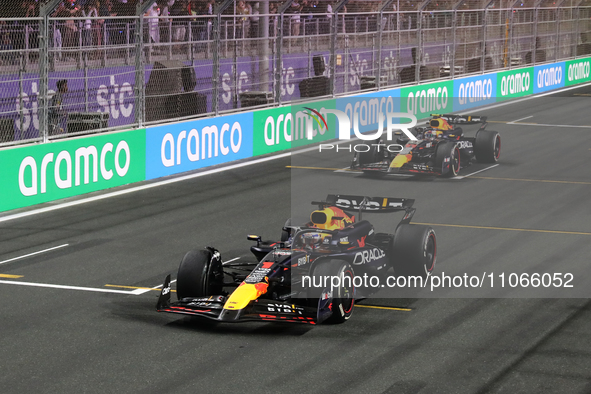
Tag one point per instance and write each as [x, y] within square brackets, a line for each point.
[254, 238]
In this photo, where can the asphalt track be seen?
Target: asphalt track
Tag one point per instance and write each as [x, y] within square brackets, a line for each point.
[99, 333]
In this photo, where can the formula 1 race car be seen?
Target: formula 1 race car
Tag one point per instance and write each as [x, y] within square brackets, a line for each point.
[441, 148]
[288, 280]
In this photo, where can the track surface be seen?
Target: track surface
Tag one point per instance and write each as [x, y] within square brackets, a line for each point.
[66, 340]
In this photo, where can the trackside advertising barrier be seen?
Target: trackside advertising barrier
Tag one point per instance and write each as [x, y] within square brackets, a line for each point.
[186, 146]
[40, 173]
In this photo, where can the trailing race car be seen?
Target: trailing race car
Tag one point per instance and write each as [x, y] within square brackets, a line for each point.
[441, 149]
[287, 281]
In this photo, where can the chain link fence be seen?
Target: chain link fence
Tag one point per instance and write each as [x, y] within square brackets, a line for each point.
[88, 66]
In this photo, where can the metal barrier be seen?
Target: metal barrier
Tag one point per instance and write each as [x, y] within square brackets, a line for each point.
[155, 62]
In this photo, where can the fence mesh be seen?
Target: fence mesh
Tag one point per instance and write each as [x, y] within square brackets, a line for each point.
[86, 66]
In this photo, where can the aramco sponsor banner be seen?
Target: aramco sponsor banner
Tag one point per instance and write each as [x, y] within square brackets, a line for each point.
[549, 77]
[291, 126]
[364, 110]
[515, 83]
[40, 173]
[474, 91]
[186, 146]
[578, 71]
[423, 100]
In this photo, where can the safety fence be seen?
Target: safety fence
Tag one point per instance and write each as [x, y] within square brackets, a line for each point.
[71, 69]
[39, 173]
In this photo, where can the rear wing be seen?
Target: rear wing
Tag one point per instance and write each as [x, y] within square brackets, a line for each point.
[366, 204]
[461, 119]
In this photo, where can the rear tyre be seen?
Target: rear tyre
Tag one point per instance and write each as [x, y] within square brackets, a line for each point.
[448, 150]
[339, 300]
[200, 274]
[487, 146]
[415, 250]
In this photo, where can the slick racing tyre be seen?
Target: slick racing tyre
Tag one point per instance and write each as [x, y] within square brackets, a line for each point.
[487, 146]
[449, 150]
[415, 250]
[200, 274]
[335, 305]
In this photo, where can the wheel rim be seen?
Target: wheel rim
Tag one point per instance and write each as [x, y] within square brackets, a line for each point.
[455, 161]
[430, 252]
[348, 298]
[497, 147]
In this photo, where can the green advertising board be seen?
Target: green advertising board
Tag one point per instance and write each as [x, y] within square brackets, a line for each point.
[423, 100]
[515, 83]
[35, 174]
[578, 71]
[283, 128]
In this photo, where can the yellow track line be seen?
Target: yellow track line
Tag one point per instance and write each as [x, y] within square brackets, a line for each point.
[10, 276]
[390, 308]
[135, 287]
[531, 180]
[506, 229]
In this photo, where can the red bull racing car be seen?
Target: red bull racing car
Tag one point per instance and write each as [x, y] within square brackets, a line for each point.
[441, 148]
[287, 281]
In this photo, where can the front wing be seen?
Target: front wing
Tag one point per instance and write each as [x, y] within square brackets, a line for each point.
[213, 308]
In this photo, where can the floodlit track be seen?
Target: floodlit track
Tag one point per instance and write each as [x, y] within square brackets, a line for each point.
[79, 284]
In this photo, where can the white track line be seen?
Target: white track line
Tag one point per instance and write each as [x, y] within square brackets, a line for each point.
[33, 254]
[550, 125]
[48, 285]
[234, 166]
[484, 169]
[527, 117]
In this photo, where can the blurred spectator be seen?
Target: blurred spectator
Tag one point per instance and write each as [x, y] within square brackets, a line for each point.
[89, 11]
[179, 25]
[242, 22]
[57, 113]
[165, 28]
[152, 17]
[7, 54]
[295, 9]
[254, 20]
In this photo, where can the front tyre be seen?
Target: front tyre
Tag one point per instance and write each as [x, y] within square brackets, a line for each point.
[200, 274]
[335, 304]
[447, 153]
[415, 250]
[487, 146]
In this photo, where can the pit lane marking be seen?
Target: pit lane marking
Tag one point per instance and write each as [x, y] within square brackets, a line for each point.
[507, 229]
[8, 276]
[34, 253]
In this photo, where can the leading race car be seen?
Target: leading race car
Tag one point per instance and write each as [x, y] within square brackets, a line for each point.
[441, 149]
[288, 282]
